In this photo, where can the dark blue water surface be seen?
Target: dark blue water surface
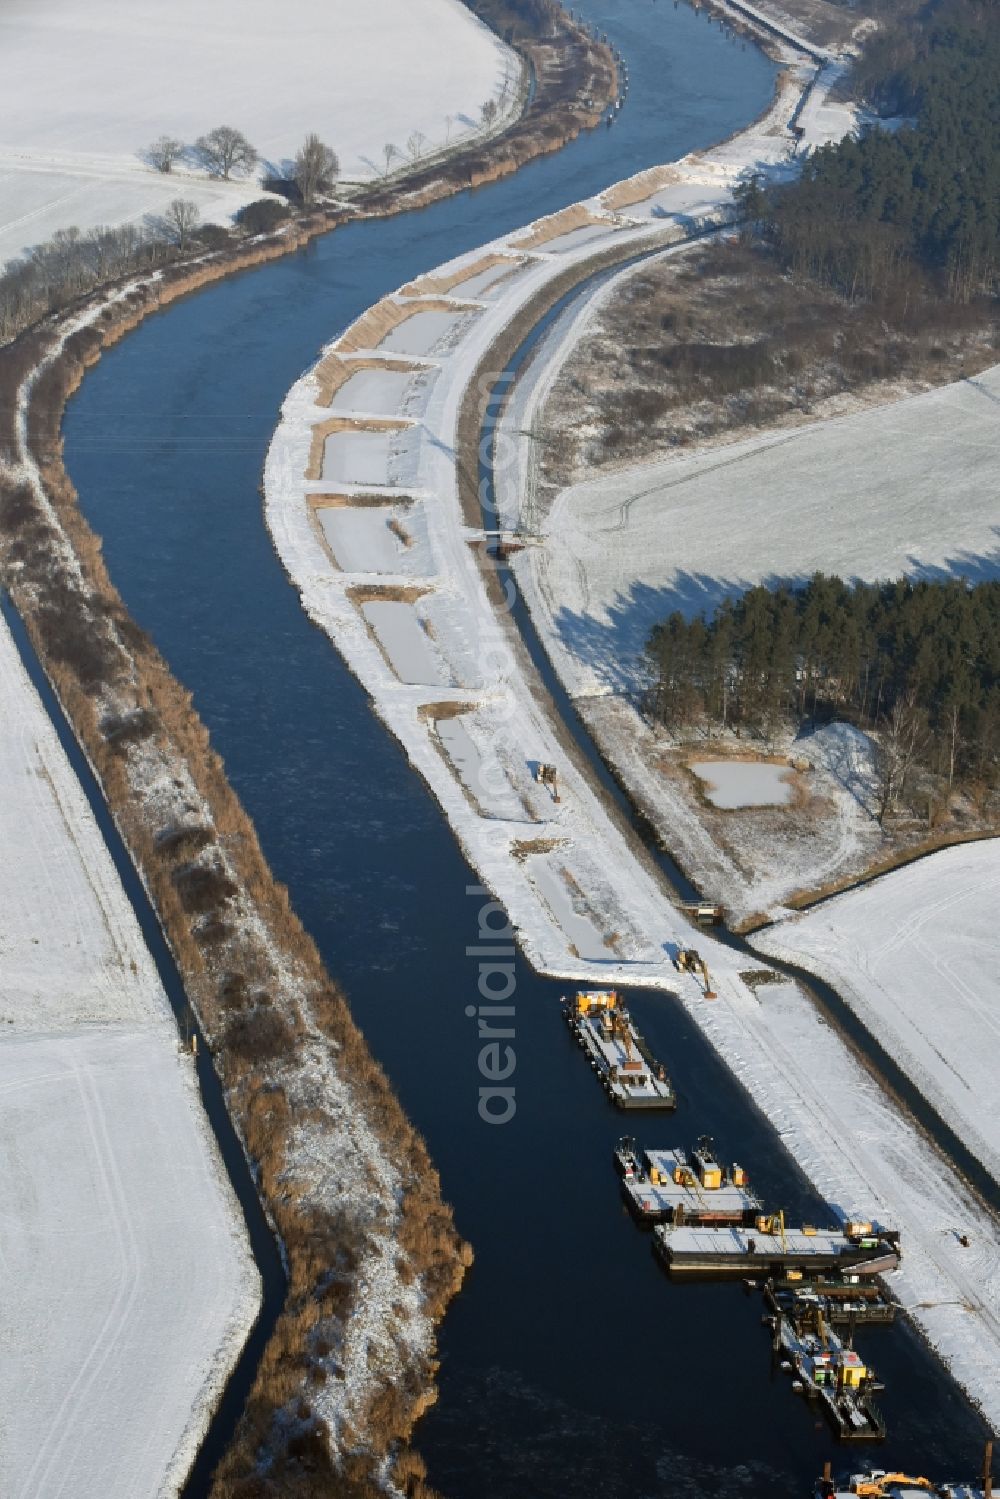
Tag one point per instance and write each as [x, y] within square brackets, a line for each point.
[570, 1366]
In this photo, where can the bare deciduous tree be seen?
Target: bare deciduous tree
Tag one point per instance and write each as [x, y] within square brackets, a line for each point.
[225, 150]
[164, 152]
[415, 144]
[316, 169]
[390, 152]
[489, 112]
[902, 737]
[182, 219]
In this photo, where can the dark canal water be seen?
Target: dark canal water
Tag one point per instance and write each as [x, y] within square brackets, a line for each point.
[570, 1366]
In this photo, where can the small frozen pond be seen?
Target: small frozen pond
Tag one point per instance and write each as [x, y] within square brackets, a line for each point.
[421, 333]
[375, 392]
[573, 238]
[357, 457]
[483, 281]
[483, 778]
[744, 783]
[406, 644]
[360, 539]
[574, 923]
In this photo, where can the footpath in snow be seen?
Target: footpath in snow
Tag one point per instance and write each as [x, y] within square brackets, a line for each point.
[128, 1285]
[88, 88]
[362, 500]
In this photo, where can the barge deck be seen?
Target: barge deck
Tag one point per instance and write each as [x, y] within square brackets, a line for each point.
[680, 1186]
[629, 1074]
[766, 1248]
[844, 1301]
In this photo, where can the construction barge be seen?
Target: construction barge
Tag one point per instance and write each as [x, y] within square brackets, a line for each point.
[680, 1186]
[880, 1484]
[603, 1028]
[830, 1372]
[768, 1248]
[844, 1301]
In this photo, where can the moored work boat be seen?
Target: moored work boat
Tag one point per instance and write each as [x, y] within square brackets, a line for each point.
[828, 1371]
[879, 1483]
[630, 1076]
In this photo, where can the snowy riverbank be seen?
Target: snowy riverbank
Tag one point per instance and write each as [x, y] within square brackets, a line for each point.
[129, 1288]
[362, 500]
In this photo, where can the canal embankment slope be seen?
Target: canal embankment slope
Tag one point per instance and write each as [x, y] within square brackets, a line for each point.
[129, 1285]
[387, 560]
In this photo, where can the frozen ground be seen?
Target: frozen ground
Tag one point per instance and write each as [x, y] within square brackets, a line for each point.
[751, 859]
[88, 87]
[584, 902]
[914, 955]
[128, 1283]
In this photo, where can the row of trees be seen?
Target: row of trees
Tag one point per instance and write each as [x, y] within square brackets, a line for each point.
[73, 262]
[918, 660]
[865, 212]
[225, 151]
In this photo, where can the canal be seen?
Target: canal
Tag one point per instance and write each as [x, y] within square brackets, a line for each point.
[570, 1365]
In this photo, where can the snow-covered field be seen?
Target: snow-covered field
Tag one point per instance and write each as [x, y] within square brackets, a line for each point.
[584, 902]
[915, 956]
[128, 1286]
[904, 488]
[88, 87]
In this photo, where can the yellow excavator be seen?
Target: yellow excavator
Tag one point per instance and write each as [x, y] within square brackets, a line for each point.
[689, 960]
[620, 1027]
[879, 1485]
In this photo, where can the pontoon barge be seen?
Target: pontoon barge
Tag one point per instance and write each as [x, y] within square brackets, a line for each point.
[768, 1248]
[681, 1186]
[630, 1076]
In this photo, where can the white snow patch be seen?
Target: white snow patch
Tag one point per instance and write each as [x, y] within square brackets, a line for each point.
[914, 955]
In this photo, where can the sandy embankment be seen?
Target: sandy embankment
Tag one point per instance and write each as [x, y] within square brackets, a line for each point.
[451, 682]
